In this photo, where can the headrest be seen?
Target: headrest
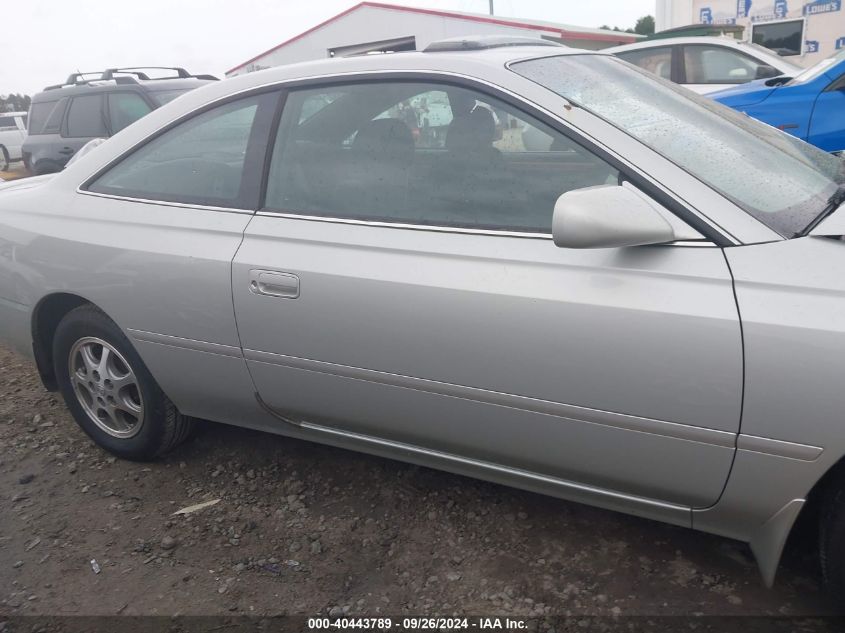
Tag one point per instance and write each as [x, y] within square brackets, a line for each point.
[388, 137]
[476, 129]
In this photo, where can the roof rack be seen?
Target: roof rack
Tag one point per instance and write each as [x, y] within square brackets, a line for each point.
[484, 42]
[129, 75]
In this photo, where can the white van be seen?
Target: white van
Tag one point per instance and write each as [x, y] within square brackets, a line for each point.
[12, 134]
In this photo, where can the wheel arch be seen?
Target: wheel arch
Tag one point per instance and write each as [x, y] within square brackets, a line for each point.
[46, 315]
[769, 544]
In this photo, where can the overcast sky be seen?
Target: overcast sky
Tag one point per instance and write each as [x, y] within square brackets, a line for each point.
[46, 40]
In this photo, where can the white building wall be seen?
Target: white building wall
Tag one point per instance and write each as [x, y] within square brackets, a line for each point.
[373, 24]
[824, 32]
[672, 13]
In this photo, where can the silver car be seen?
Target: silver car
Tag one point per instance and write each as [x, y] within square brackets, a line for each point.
[583, 281]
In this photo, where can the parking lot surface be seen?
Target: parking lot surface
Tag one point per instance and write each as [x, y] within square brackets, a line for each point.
[16, 171]
[305, 529]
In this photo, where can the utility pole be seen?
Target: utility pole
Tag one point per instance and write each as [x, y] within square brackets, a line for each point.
[491, 7]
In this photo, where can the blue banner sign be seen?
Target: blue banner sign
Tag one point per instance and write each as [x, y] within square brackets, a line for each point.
[822, 6]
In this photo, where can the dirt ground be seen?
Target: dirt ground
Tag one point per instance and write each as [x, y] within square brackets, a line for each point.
[16, 170]
[306, 529]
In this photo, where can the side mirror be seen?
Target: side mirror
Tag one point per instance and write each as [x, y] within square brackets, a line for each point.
[608, 216]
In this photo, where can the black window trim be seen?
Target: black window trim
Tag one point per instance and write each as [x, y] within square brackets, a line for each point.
[711, 234]
[247, 199]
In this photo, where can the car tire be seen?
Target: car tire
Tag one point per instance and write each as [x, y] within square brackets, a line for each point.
[4, 159]
[110, 392]
[832, 539]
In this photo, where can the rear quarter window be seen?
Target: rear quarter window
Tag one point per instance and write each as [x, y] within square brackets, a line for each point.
[39, 113]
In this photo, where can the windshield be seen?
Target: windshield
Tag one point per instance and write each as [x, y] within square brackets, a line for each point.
[778, 179]
[823, 66]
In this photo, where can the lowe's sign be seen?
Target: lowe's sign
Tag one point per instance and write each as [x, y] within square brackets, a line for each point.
[822, 6]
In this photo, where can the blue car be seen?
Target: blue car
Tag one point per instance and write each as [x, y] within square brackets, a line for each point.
[810, 105]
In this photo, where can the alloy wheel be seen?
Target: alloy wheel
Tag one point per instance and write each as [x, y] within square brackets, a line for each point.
[106, 387]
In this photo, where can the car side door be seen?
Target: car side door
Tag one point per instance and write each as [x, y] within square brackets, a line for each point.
[84, 120]
[395, 298]
[11, 137]
[160, 224]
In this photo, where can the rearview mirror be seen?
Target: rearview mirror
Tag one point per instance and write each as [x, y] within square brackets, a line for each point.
[608, 216]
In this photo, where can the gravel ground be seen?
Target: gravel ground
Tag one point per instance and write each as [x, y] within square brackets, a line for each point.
[307, 529]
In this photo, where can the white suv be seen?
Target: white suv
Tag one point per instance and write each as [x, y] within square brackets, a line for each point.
[706, 64]
[12, 134]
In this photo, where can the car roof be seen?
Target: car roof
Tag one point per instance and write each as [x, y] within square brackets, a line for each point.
[454, 61]
[488, 66]
[12, 113]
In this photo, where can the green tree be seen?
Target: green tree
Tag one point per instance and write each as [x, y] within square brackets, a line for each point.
[645, 25]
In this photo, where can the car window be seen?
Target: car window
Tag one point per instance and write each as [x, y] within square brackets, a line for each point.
[654, 60]
[424, 154]
[427, 115]
[315, 102]
[85, 117]
[40, 114]
[200, 161]
[54, 121]
[126, 108]
[785, 38]
[8, 123]
[719, 65]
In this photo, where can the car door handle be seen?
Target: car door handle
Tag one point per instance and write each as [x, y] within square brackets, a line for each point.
[67, 151]
[273, 284]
